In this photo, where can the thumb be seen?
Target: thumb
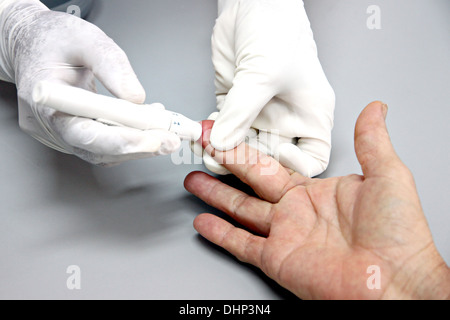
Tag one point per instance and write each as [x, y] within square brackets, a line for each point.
[373, 146]
[111, 66]
[243, 103]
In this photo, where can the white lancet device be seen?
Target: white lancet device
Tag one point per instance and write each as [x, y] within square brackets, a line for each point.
[113, 111]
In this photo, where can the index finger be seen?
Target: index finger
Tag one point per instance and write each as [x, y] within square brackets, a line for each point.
[268, 178]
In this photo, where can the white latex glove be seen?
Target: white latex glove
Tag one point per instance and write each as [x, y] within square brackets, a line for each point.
[269, 78]
[38, 44]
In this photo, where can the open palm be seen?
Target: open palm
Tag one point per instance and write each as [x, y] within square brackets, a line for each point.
[324, 238]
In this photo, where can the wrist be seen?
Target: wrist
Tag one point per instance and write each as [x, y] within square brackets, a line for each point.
[425, 276]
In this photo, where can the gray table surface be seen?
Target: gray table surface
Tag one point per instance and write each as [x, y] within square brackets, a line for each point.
[129, 228]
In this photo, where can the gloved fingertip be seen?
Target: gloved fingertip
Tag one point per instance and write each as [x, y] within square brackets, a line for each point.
[213, 166]
[170, 144]
[151, 145]
[292, 157]
[224, 143]
[224, 139]
[133, 91]
[143, 143]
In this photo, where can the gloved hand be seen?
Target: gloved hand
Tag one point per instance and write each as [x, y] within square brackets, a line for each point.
[269, 80]
[38, 44]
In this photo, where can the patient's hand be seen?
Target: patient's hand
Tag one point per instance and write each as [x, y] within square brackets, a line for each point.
[318, 238]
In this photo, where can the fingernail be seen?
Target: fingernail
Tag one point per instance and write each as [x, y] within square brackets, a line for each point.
[385, 109]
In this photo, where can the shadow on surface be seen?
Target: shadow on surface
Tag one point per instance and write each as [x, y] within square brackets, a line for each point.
[281, 292]
[220, 252]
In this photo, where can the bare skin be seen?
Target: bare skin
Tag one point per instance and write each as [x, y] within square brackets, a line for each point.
[318, 237]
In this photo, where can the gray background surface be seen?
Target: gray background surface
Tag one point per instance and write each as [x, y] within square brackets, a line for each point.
[129, 228]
